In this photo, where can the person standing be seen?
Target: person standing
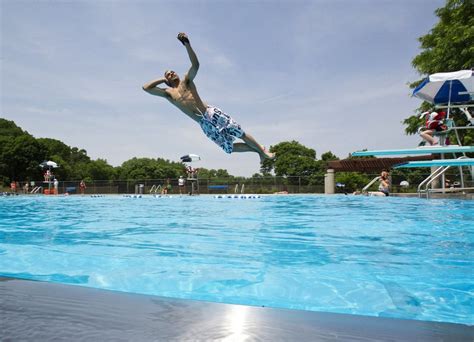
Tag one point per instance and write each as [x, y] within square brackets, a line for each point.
[181, 184]
[13, 187]
[82, 187]
[56, 185]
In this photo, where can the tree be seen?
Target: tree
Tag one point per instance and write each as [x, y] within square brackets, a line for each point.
[352, 180]
[149, 168]
[56, 148]
[100, 170]
[449, 46]
[20, 158]
[292, 159]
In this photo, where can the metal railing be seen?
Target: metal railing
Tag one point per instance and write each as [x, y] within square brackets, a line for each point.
[434, 176]
[370, 184]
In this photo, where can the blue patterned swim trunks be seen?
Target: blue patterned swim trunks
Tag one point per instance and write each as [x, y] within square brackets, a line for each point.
[220, 128]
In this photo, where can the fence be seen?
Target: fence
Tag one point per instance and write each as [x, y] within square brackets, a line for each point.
[260, 185]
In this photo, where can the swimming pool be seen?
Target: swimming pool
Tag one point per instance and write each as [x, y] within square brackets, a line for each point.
[390, 257]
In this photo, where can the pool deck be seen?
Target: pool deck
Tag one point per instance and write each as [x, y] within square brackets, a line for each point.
[40, 311]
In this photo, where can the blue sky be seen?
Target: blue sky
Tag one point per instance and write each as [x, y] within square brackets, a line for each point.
[332, 75]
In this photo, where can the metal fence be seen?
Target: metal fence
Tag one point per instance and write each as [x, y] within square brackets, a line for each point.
[204, 186]
[260, 185]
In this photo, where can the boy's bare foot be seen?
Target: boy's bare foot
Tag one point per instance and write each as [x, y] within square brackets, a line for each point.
[266, 154]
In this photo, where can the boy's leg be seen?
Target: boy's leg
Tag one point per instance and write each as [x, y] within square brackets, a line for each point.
[255, 146]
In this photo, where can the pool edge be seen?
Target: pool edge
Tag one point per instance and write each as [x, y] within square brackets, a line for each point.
[36, 310]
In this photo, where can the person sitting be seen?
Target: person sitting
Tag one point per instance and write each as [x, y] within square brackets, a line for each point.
[47, 176]
[433, 123]
[384, 186]
[191, 172]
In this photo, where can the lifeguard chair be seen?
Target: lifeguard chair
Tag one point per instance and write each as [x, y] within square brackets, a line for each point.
[191, 172]
[48, 182]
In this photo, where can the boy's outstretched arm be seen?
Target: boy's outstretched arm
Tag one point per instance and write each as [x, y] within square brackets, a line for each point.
[183, 38]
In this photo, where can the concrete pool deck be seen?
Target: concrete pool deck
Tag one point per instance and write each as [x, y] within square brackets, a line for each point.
[40, 311]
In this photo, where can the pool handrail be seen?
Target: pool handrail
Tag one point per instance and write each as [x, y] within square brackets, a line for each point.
[441, 170]
[365, 188]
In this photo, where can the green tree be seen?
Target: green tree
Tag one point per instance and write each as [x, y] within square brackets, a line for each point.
[149, 168]
[20, 158]
[292, 160]
[352, 180]
[56, 148]
[100, 170]
[449, 46]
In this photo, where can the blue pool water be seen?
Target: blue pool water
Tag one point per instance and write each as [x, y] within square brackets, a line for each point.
[391, 257]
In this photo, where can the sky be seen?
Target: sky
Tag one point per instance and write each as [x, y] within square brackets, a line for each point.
[330, 74]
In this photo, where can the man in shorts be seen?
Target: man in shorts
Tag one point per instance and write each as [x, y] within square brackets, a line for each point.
[217, 125]
[181, 184]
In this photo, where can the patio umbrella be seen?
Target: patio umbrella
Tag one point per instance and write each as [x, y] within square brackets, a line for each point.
[49, 164]
[447, 88]
[190, 158]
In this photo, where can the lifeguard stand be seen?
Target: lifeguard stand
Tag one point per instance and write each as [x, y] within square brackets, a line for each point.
[48, 182]
[192, 173]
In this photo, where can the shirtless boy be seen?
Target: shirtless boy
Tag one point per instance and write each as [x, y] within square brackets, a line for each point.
[217, 125]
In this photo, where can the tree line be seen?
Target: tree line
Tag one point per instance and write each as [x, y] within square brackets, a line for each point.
[21, 153]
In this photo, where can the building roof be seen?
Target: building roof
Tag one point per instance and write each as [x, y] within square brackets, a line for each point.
[372, 164]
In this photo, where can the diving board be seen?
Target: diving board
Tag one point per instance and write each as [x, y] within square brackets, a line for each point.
[418, 150]
[437, 162]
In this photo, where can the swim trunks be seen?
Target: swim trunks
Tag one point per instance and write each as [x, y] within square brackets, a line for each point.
[385, 191]
[220, 128]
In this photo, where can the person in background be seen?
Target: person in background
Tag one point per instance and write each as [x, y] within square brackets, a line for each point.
[384, 185]
[433, 123]
[82, 187]
[167, 188]
[26, 187]
[13, 187]
[56, 185]
[47, 176]
[181, 184]
[191, 172]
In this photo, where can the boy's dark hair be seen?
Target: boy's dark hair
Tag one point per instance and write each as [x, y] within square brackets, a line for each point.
[166, 82]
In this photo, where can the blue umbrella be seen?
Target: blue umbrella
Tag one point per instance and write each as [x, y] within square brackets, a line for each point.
[447, 88]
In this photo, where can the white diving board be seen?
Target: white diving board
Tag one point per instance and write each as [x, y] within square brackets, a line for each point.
[418, 150]
[437, 162]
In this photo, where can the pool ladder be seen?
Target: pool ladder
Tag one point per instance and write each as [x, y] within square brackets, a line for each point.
[155, 189]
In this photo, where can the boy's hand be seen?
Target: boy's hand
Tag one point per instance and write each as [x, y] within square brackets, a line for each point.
[183, 38]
